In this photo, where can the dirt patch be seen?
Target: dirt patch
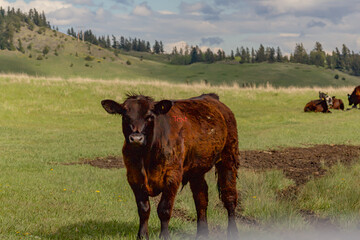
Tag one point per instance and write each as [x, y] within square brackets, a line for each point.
[299, 164]
[101, 162]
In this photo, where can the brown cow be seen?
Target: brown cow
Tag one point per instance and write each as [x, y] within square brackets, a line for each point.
[354, 98]
[177, 141]
[317, 106]
[337, 104]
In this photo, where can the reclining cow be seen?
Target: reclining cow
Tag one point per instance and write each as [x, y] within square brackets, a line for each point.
[320, 105]
[337, 104]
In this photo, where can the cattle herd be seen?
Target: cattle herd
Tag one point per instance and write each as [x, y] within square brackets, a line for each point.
[173, 142]
[324, 103]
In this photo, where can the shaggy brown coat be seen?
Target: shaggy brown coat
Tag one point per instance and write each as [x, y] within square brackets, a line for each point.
[177, 141]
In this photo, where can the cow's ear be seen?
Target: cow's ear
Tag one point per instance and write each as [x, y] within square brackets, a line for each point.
[162, 107]
[112, 107]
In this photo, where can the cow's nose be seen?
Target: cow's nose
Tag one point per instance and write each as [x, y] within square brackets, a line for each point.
[136, 138]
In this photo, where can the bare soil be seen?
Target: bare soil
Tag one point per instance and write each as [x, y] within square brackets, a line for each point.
[298, 164]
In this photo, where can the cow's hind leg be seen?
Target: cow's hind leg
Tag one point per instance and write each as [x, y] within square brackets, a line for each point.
[227, 172]
[199, 189]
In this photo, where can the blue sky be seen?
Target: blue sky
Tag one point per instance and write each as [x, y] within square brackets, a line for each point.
[225, 24]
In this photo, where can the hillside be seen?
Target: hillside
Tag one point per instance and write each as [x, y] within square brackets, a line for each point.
[65, 57]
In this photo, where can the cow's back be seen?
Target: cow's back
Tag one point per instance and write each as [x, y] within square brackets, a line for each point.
[209, 125]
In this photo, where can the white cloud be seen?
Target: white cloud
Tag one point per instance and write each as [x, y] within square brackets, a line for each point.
[142, 10]
[41, 5]
[292, 35]
[179, 45]
[72, 16]
[82, 2]
[164, 12]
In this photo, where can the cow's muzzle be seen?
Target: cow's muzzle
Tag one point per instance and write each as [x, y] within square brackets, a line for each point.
[137, 138]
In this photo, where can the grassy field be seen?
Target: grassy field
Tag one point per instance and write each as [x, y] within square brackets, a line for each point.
[66, 59]
[48, 121]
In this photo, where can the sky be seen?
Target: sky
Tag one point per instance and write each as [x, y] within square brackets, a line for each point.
[225, 24]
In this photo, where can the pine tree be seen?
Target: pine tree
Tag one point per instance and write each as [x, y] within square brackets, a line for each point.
[232, 57]
[115, 42]
[237, 53]
[209, 56]
[271, 55]
[108, 42]
[260, 54]
[194, 55]
[300, 55]
[156, 47]
[279, 57]
[161, 47]
[317, 55]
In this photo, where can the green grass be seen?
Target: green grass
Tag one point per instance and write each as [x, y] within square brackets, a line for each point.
[45, 122]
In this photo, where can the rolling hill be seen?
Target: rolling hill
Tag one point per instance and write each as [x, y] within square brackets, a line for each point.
[50, 53]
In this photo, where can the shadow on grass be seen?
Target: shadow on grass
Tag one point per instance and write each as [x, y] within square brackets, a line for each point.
[94, 230]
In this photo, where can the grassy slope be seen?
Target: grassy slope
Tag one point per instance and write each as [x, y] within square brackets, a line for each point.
[107, 66]
[46, 122]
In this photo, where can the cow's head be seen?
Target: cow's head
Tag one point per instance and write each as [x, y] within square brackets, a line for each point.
[324, 96]
[138, 116]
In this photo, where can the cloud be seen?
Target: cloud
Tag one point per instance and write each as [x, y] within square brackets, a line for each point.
[82, 2]
[125, 2]
[165, 12]
[289, 35]
[332, 10]
[227, 2]
[71, 16]
[212, 41]
[206, 11]
[41, 5]
[314, 23]
[142, 9]
[179, 45]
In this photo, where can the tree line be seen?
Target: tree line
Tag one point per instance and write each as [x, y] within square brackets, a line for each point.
[344, 60]
[11, 20]
[121, 43]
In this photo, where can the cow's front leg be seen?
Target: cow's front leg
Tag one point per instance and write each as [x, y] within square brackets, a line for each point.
[165, 207]
[143, 205]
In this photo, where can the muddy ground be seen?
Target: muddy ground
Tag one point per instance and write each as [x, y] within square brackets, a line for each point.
[298, 164]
